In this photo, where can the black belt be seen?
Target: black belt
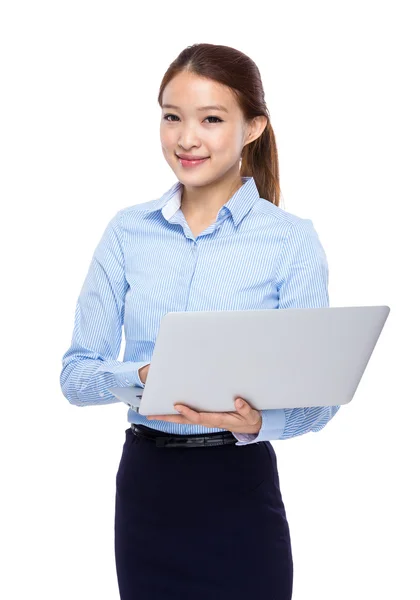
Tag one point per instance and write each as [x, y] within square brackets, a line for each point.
[168, 440]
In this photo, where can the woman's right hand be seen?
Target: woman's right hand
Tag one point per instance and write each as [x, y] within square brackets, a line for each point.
[143, 373]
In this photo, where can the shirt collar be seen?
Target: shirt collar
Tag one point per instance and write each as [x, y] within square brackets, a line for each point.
[239, 204]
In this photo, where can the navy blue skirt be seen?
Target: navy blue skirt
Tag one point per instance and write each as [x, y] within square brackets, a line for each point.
[203, 523]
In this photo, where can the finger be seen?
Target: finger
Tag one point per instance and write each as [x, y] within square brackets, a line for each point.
[205, 419]
[191, 415]
[161, 417]
[250, 415]
[224, 420]
[156, 416]
[243, 407]
[170, 418]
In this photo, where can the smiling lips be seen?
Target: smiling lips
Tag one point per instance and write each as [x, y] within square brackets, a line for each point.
[190, 161]
[191, 157]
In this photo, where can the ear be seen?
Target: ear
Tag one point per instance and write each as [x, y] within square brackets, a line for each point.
[256, 128]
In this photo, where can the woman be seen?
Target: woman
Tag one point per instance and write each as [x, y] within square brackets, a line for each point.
[199, 512]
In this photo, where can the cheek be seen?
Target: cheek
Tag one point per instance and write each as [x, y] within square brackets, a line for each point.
[227, 143]
[166, 138]
[166, 153]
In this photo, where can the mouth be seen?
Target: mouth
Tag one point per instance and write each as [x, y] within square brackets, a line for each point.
[186, 161]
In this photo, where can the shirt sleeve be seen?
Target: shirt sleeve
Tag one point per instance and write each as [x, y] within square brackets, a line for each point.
[303, 278]
[90, 365]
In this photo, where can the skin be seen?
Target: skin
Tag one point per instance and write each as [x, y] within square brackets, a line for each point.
[206, 189]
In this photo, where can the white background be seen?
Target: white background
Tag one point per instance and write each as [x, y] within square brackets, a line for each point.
[80, 140]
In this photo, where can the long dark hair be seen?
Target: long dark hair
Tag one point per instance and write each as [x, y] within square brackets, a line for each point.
[237, 71]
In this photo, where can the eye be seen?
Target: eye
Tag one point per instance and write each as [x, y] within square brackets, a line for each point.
[170, 115]
[220, 120]
[165, 119]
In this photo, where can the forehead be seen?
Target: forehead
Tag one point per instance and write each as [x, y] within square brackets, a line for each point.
[188, 91]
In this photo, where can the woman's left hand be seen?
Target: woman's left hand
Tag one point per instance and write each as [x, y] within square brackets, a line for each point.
[244, 420]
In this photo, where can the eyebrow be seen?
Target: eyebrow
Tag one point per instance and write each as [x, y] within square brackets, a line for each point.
[210, 107]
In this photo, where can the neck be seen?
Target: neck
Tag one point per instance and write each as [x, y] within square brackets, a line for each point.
[204, 202]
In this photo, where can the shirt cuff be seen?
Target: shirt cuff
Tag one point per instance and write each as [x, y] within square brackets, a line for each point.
[127, 373]
[273, 423]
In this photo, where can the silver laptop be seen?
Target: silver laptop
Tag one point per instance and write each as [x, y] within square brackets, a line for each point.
[273, 358]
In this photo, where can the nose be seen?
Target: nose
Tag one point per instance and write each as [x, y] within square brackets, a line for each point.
[188, 138]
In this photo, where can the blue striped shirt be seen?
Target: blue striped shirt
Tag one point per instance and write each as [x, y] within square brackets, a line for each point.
[255, 255]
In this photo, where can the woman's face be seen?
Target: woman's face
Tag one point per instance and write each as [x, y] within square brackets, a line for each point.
[214, 133]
